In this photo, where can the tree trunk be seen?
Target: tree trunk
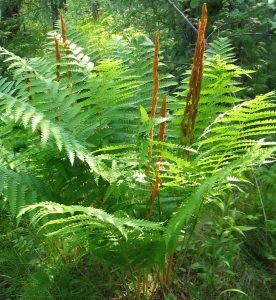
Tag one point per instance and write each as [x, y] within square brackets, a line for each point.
[95, 9]
[10, 8]
[10, 11]
[56, 5]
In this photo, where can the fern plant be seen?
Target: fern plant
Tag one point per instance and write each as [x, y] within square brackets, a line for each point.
[74, 146]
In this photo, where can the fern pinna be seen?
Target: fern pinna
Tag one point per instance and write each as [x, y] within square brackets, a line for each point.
[74, 147]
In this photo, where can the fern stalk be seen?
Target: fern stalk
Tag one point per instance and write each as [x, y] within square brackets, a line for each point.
[192, 99]
[155, 87]
[66, 45]
[63, 29]
[169, 271]
[58, 57]
[161, 138]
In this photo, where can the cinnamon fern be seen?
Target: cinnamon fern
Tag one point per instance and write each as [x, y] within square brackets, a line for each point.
[74, 142]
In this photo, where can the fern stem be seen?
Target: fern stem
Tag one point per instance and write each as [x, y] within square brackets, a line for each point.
[63, 28]
[155, 76]
[66, 45]
[169, 271]
[161, 138]
[192, 99]
[139, 283]
[262, 205]
[155, 88]
[154, 193]
[58, 57]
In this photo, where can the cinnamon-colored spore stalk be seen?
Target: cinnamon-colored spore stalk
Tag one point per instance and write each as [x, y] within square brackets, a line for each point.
[155, 76]
[192, 100]
[161, 138]
[63, 28]
[58, 57]
[66, 45]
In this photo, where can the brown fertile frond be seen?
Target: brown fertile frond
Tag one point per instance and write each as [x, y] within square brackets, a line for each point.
[63, 28]
[155, 87]
[161, 138]
[58, 56]
[58, 59]
[66, 45]
[64, 39]
[192, 100]
[155, 77]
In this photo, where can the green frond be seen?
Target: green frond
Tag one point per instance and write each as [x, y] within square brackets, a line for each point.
[191, 206]
[105, 232]
[18, 190]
